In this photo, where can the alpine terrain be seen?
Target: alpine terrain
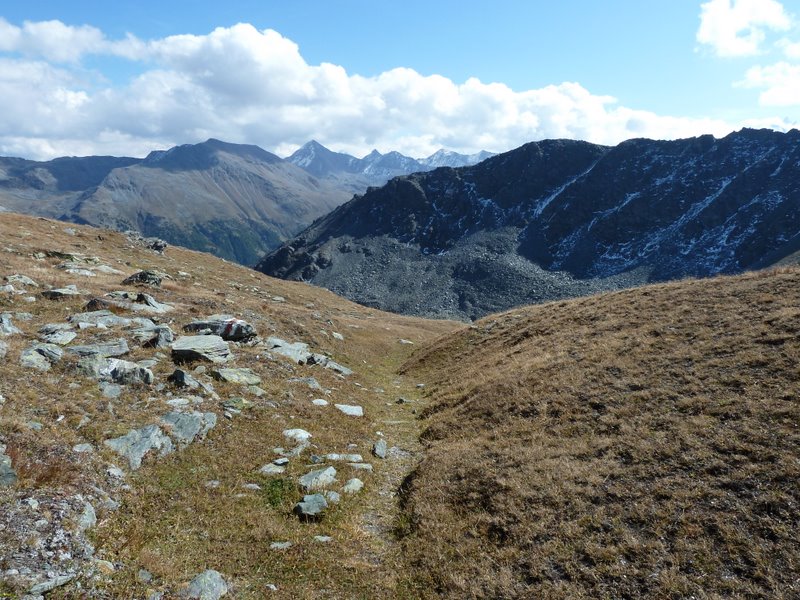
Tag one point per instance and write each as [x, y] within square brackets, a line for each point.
[557, 219]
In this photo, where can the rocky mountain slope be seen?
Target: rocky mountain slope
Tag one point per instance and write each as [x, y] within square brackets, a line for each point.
[556, 219]
[637, 444]
[174, 424]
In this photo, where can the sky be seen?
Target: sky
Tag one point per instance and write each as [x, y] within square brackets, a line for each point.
[124, 78]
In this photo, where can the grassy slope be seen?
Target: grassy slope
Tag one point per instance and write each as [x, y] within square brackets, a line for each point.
[170, 522]
[635, 444]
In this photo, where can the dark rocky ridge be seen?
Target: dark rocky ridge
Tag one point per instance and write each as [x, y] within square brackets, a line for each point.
[555, 219]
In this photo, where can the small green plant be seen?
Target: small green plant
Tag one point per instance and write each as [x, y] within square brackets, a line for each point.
[278, 491]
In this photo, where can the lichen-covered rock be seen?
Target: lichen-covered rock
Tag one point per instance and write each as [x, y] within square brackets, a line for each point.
[41, 356]
[117, 347]
[240, 376]
[150, 278]
[208, 585]
[312, 507]
[184, 428]
[318, 479]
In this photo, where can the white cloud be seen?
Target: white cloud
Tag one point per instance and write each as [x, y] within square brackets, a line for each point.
[737, 27]
[244, 85]
[780, 82]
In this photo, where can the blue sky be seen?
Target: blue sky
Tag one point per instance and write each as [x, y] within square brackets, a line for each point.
[124, 78]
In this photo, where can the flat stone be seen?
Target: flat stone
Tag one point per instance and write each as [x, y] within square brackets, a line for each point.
[117, 347]
[138, 442]
[184, 428]
[351, 409]
[154, 336]
[69, 291]
[50, 585]
[309, 381]
[318, 479]
[200, 347]
[353, 486]
[312, 506]
[57, 333]
[240, 376]
[360, 466]
[379, 448]
[99, 317]
[21, 280]
[319, 402]
[296, 351]
[272, 469]
[83, 448]
[323, 539]
[110, 390]
[344, 457]
[280, 545]
[3, 349]
[337, 336]
[138, 302]
[227, 327]
[208, 585]
[237, 403]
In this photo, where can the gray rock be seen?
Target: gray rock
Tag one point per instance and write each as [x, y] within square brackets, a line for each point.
[137, 443]
[353, 486]
[323, 539]
[379, 448]
[110, 390]
[50, 584]
[154, 336]
[88, 518]
[69, 291]
[360, 466]
[338, 336]
[227, 327]
[3, 349]
[41, 356]
[150, 278]
[240, 376]
[272, 469]
[297, 351]
[312, 506]
[309, 381]
[351, 409]
[319, 402]
[186, 427]
[332, 497]
[21, 280]
[83, 448]
[208, 585]
[144, 576]
[7, 474]
[103, 318]
[117, 347]
[6, 327]
[125, 372]
[280, 545]
[200, 347]
[318, 479]
[298, 435]
[57, 333]
[182, 379]
[344, 457]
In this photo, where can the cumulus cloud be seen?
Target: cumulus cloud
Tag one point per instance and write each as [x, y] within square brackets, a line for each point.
[737, 27]
[247, 85]
[780, 82]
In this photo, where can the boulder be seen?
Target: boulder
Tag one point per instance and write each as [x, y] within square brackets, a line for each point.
[240, 376]
[150, 278]
[22, 280]
[153, 336]
[298, 435]
[138, 442]
[226, 326]
[138, 302]
[318, 479]
[101, 318]
[200, 347]
[208, 585]
[299, 353]
[125, 372]
[312, 507]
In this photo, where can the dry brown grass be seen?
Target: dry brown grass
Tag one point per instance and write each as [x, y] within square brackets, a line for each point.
[635, 444]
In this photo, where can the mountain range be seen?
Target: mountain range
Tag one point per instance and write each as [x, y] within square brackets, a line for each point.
[236, 201]
[556, 219]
